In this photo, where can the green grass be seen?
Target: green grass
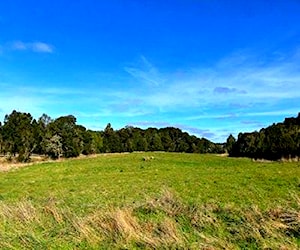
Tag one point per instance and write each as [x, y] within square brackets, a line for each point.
[174, 200]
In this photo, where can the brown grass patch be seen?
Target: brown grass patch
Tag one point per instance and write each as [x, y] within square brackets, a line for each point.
[164, 222]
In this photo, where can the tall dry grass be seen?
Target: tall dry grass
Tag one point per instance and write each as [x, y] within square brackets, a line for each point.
[162, 222]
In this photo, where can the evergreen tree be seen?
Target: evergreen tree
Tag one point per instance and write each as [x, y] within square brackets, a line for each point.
[18, 136]
[230, 144]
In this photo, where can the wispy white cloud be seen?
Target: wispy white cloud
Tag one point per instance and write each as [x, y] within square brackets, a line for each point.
[220, 97]
[287, 112]
[23, 103]
[247, 83]
[234, 95]
[146, 72]
[40, 47]
[37, 100]
[235, 88]
[18, 45]
[242, 114]
[151, 124]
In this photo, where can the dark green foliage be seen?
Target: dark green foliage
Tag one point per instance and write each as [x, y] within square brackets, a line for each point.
[21, 135]
[18, 135]
[230, 143]
[281, 140]
[168, 139]
[155, 143]
[111, 140]
[70, 133]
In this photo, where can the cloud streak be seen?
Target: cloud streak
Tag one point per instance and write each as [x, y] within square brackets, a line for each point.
[207, 101]
[245, 85]
[144, 71]
[39, 47]
[225, 90]
[235, 88]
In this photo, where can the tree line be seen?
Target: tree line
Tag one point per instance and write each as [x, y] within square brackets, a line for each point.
[281, 140]
[21, 136]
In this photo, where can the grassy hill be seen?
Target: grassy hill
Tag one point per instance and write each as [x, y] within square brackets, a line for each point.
[133, 201]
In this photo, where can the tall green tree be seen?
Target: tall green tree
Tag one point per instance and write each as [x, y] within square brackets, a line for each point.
[111, 140]
[18, 135]
[230, 144]
[69, 133]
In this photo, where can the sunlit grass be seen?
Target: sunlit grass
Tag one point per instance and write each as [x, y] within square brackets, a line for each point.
[201, 199]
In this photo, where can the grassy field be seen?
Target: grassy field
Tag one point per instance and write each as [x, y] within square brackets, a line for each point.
[172, 201]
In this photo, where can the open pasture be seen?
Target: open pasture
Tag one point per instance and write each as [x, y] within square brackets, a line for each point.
[151, 200]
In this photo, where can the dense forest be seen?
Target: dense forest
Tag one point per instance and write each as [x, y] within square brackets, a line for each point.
[21, 136]
[278, 141]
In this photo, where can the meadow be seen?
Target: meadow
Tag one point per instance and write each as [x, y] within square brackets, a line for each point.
[135, 201]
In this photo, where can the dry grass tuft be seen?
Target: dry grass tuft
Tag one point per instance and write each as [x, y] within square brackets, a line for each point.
[166, 202]
[126, 224]
[204, 216]
[286, 220]
[84, 231]
[170, 232]
[121, 225]
[52, 209]
[164, 222]
[22, 212]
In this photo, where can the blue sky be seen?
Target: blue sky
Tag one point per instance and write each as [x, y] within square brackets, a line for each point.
[210, 68]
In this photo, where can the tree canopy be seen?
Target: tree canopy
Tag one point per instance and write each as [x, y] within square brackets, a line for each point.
[22, 136]
[281, 140]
